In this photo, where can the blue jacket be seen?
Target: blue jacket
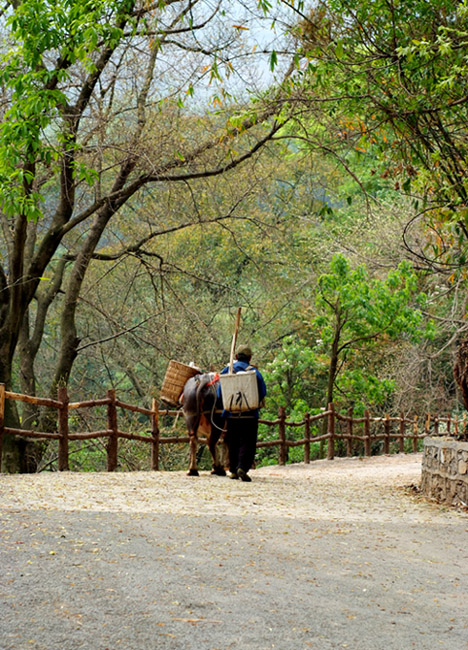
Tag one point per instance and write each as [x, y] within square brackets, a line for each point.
[262, 391]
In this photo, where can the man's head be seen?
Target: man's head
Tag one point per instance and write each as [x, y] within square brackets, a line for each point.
[244, 353]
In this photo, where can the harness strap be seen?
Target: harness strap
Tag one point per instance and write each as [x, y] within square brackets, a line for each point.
[202, 412]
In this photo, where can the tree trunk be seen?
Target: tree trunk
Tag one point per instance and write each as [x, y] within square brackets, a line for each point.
[332, 372]
[33, 450]
[30, 412]
[460, 372]
[13, 449]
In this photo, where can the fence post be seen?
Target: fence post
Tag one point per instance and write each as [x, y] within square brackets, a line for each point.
[155, 436]
[402, 432]
[2, 419]
[112, 444]
[63, 429]
[436, 425]
[349, 439]
[282, 435]
[367, 445]
[415, 434]
[449, 422]
[307, 438]
[427, 425]
[331, 432]
[386, 442]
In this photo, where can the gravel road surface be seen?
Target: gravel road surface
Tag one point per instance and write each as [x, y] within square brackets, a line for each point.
[335, 554]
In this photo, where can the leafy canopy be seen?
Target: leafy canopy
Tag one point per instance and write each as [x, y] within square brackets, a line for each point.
[360, 308]
[45, 40]
[390, 79]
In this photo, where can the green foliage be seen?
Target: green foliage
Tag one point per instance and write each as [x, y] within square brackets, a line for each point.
[364, 389]
[290, 376]
[396, 77]
[72, 32]
[354, 318]
[360, 308]
[357, 312]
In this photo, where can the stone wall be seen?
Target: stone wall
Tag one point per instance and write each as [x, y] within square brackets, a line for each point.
[445, 470]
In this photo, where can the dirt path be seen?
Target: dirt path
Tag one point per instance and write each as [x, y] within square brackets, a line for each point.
[331, 555]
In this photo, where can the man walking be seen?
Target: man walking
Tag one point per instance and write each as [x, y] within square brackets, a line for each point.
[242, 427]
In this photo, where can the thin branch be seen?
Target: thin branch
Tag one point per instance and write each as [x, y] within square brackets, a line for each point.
[117, 335]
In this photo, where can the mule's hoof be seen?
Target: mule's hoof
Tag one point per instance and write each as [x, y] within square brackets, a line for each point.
[218, 471]
[193, 472]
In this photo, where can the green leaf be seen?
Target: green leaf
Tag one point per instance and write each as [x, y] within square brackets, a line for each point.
[273, 60]
[339, 51]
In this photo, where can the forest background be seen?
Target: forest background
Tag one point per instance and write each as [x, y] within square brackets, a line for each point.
[162, 163]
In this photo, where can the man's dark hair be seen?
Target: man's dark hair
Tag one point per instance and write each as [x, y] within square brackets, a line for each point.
[243, 357]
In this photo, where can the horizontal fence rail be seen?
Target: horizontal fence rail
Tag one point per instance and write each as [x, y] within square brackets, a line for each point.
[393, 429]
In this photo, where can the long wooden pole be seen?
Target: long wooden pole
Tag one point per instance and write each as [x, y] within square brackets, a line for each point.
[234, 339]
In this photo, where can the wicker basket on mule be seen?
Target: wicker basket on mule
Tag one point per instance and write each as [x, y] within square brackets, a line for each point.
[175, 379]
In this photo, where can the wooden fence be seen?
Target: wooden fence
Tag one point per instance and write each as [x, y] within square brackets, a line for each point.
[396, 429]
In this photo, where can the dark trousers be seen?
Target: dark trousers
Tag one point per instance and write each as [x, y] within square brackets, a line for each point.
[241, 439]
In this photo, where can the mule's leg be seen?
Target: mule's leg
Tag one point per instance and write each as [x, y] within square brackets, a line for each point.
[193, 468]
[218, 467]
[223, 452]
[192, 426]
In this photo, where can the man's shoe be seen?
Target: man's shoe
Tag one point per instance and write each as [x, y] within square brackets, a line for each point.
[242, 474]
[233, 475]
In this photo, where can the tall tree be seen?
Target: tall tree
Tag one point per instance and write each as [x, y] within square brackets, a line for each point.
[356, 311]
